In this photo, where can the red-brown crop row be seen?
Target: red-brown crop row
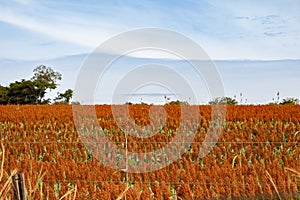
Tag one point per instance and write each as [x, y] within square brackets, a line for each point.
[256, 156]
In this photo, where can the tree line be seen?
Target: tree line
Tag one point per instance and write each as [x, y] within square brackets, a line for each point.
[233, 101]
[34, 90]
[44, 79]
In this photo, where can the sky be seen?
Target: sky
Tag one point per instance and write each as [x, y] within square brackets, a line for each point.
[33, 32]
[232, 29]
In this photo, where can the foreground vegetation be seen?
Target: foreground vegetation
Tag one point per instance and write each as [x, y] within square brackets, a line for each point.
[257, 155]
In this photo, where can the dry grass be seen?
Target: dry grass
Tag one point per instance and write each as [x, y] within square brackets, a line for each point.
[70, 194]
[295, 173]
[122, 195]
[270, 178]
[4, 192]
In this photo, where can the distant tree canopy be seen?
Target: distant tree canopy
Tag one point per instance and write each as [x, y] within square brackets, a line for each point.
[223, 101]
[290, 100]
[33, 91]
[177, 102]
[64, 98]
[3, 95]
[25, 92]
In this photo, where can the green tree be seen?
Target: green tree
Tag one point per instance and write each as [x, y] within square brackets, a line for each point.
[290, 100]
[64, 98]
[3, 95]
[223, 101]
[44, 78]
[22, 92]
[31, 91]
[177, 102]
[46, 74]
[26, 92]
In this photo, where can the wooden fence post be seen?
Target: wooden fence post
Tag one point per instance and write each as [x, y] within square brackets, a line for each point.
[19, 186]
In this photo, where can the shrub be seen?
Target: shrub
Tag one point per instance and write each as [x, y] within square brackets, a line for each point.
[290, 101]
[223, 101]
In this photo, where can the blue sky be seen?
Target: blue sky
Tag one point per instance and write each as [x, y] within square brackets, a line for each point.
[234, 29]
[61, 33]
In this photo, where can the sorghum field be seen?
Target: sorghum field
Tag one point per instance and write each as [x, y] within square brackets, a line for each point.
[257, 155]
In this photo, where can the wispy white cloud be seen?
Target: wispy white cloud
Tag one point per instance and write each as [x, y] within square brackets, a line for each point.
[63, 31]
[226, 29]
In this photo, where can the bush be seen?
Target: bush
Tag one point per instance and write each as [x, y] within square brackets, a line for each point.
[178, 103]
[290, 101]
[223, 101]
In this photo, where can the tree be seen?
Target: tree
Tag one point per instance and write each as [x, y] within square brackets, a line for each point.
[22, 92]
[64, 98]
[46, 74]
[177, 102]
[44, 78]
[3, 95]
[26, 92]
[290, 100]
[33, 91]
[223, 101]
